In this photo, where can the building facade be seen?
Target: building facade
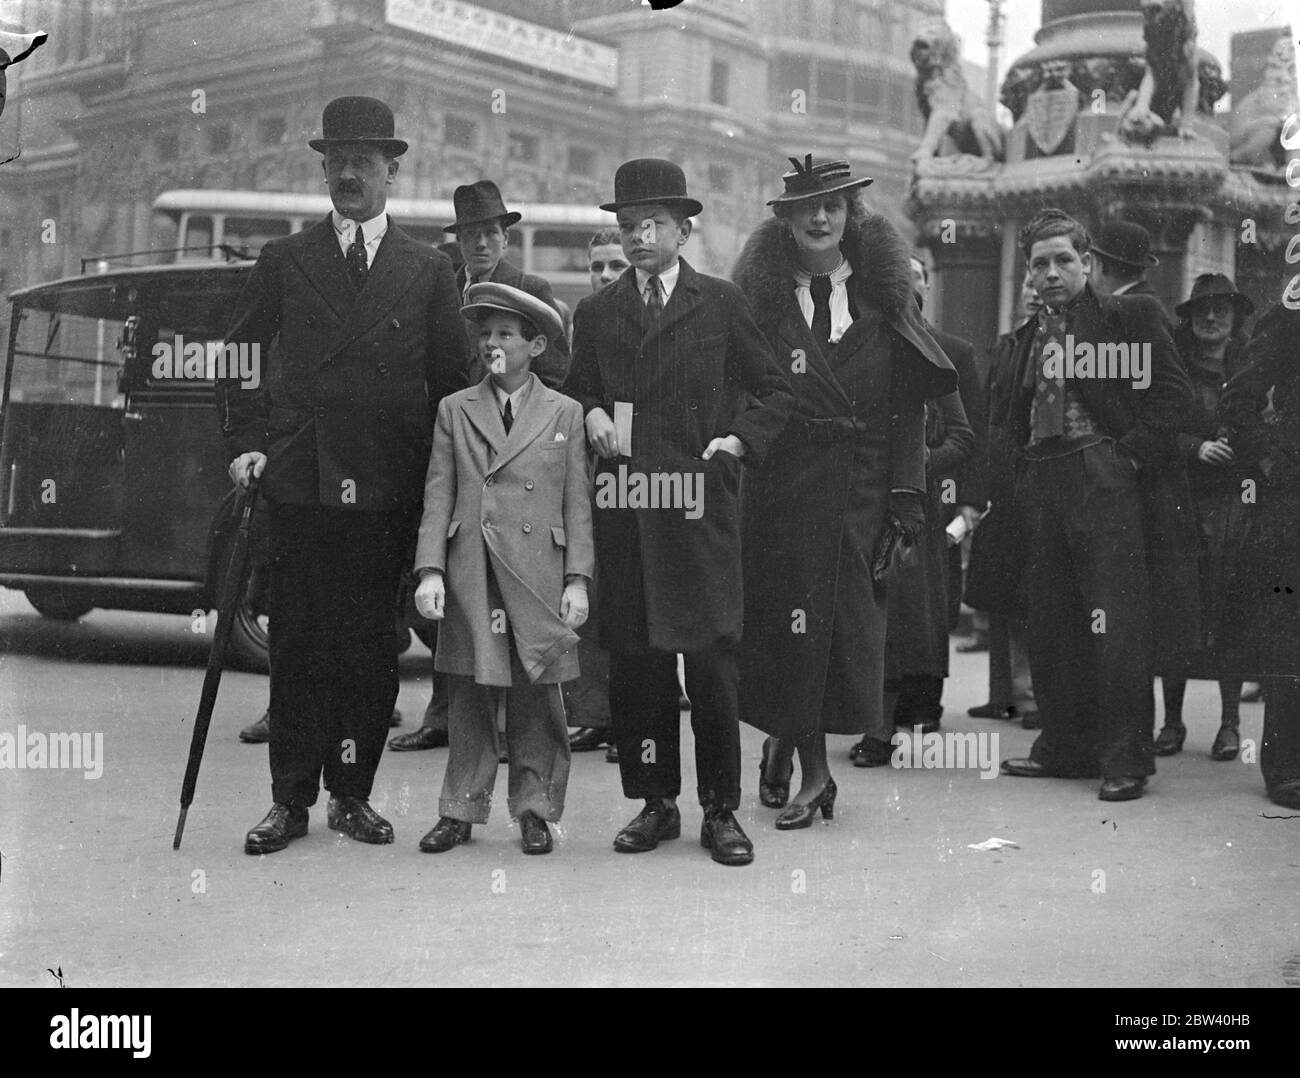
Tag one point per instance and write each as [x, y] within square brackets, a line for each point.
[131, 98]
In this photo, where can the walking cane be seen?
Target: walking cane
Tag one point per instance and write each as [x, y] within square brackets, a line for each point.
[233, 589]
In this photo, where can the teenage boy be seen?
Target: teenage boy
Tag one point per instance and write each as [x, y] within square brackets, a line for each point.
[504, 556]
[662, 358]
[1097, 487]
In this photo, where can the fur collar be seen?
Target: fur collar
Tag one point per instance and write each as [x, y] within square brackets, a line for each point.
[882, 274]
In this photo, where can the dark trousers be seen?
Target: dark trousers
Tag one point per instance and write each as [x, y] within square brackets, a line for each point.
[647, 723]
[1089, 597]
[334, 578]
[1279, 755]
[1009, 680]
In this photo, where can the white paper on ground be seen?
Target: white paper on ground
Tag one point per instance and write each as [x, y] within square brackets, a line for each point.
[993, 844]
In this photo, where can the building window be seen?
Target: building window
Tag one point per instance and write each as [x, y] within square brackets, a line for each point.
[270, 130]
[789, 73]
[868, 98]
[521, 147]
[582, 161]
[718, 80]
[459, 133]
[218, 139]
[832, 91]
[168, 147]
[720, 179]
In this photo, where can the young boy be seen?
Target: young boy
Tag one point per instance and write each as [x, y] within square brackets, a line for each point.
[666, 358]
[504, 556]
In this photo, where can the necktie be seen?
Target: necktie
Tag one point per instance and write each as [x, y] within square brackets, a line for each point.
[654, 300]
[1047, 412]
[356, 259]
[820, 287]
[507, 416]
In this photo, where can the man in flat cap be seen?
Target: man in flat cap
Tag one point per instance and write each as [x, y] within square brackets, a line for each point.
[368, 339]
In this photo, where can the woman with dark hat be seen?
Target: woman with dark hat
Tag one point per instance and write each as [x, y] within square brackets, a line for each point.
[831, 287]
[1210, 338]
[1261, 617]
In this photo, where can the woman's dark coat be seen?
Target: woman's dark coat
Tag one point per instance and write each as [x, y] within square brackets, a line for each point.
[814, 511]
[1261, 619]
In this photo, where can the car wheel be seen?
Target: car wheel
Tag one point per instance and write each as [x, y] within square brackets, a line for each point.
[58, 604]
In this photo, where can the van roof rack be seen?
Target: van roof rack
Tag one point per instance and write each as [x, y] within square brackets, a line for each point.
[231, 252]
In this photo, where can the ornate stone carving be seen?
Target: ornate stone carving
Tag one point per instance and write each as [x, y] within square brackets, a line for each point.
[956, 120]
[1257, 119]
[1169, 93]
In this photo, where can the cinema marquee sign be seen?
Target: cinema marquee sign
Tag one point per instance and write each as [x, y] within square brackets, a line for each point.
[502, 35]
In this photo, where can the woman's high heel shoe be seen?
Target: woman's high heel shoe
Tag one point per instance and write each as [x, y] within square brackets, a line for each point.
[1169, 742]
[797, 816]
[1227, 743]
[773, 794]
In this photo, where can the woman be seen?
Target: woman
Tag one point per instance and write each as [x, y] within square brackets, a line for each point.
[1261, 616]
[830, 285]
[1210, 339]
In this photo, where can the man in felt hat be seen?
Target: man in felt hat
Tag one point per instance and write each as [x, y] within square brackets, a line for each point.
[504, 558]
[678, 385]
[482, 228]
[368, 338]
[1121, 257]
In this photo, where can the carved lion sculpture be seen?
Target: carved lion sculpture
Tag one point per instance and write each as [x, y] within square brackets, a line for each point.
[1257, 121]
[1166, 98]
[957, 120]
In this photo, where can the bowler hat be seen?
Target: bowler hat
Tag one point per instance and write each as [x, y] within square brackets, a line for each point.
[477, 203]
[809, 180]
[1209, 285]
[358, 119]
[645, 181]
[491, 296]
[1123, 241]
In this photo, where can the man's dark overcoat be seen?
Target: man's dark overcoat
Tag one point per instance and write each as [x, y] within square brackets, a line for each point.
[702, 371]
[1144, 423]
[814, 512]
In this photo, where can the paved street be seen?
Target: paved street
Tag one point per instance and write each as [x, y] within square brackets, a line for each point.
[1192, 885]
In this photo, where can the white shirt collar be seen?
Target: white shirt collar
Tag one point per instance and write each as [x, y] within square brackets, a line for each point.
[345, 228]
[516, 398]
[668, 278]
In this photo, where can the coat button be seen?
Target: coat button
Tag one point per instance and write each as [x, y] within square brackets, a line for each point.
[382, 415]
[320, 412]
[487, 523]
[528, 485]
[383, 368]
[397, 324]
[527, 528]
[311, 320]
[694, 405]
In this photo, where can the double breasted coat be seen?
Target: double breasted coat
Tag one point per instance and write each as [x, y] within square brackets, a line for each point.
[519, 503]
[350, 380]
[815, 510]
[701, 371]
[1144, 422]
[552, 366]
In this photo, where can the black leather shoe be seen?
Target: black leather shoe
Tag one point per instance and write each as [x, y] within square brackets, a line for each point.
[279, 827]
[773, 794]
[721, 835]
[1169, 742]
[611, 753]
[445, 834]
[1286, 794]
[991, 711]
[1025, 768]
[1227, 743]
[354, 816]
[870, 752]
[1125, 789]
[797, 816]
[657, 822]
[588, 739]
[426, 737]
[258, 732]
[536, 835]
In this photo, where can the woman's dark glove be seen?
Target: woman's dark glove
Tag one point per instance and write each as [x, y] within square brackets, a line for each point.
[908, 508]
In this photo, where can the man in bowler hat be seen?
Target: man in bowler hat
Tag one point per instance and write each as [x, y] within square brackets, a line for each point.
[672, 361]
[368, 339]
[1121, 257]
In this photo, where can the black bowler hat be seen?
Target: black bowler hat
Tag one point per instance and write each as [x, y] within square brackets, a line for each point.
[1209, 286]
[1123, 241]
[809, 180]
[358, 119]
[646, 181]
[477, 203]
